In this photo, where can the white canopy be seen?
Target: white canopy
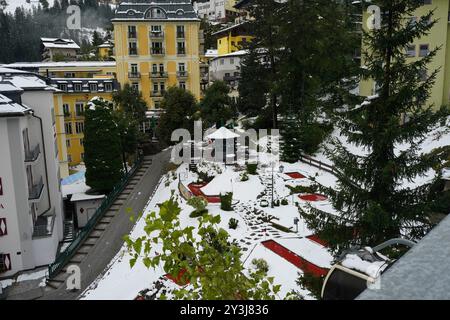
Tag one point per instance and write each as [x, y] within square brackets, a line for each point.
[222, 134]
[220, 184]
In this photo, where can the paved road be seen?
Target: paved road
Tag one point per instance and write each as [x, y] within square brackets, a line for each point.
[110, 242]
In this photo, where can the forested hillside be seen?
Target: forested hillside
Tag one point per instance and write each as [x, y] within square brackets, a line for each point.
[21, 29]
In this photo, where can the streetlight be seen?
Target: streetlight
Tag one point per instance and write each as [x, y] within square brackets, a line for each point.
[280, 169]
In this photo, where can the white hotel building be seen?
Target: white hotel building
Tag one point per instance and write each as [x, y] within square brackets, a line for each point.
[31, 208]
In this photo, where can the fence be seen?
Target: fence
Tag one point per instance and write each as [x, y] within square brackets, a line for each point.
[65, 256]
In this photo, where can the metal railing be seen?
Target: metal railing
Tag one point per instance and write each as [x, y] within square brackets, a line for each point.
[42, 227]
[134, 75]
[157, 51]
[157, 93]
[159, 74]
[156, 34]
[33, 154]
[34, 192]
[67, 254]
[182, 74]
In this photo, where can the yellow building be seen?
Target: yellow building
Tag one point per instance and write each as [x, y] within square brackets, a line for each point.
[438, 37]
[232, 39]
[157, 46]
[72, 98]
[105, 50]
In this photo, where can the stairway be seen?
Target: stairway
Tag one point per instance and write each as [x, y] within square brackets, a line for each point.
[102, 225]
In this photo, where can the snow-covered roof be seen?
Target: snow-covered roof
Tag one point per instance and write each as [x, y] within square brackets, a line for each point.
[168, 10]
[82, 196]
[211, 53]
[59, 43]
[24, 65]
[233, 54]
[222, 134]
[10, 70]
[9, 108]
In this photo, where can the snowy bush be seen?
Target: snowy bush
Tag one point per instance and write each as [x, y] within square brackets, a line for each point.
[225, 201]
[233, 223]
[261, 265]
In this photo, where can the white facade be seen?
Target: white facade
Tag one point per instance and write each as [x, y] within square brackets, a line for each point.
[227, 68]
[215, 10]
[31, 206]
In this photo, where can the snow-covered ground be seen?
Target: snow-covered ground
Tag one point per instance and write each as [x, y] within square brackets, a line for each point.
[27, 276]
[121, 282]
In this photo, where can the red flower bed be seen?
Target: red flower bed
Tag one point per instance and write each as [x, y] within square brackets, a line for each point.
[312, 197]
[295, 175]
[295, 259]
[195, 189]
[316, 239]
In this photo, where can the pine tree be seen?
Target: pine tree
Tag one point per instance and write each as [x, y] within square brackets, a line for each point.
[309, 76]
[180, 108]
[102, 150]
[216, 107]
[373, 203]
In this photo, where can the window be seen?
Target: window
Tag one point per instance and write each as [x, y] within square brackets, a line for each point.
[156, 31]
[132, 48]
[157, 47]
[82, 142]
[68, 127]
[424, 50]
[69, 74]
[155, 87]
[222, 62]
[79, 126]
[180, 32]
[162, 85]
[108, 86]
[161, 68]
[135, 86]
[154, 68]
[68, 143]
[132, 34]
[183, 85]
[79, 109]
[62, 87]
[231, 61]
[66, 110]
[181, 47]
[82, 156]
[134, 68]
[93, 87]
[5, 262]
[411, 50]
[77, 87]
[3, 229]
[182, 67]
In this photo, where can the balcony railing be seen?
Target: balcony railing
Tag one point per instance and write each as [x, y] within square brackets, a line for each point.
[181, 51]
[134, 75]
[157, 93]
[67, 114]
[132, 35]
[35, 191]
[33, 154]
[182, 74]
[43, 226]
[157, 51]
[157, 34]
[159, 74]
[180, 35]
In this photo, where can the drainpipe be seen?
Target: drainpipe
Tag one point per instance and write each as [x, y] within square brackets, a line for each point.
[45, 163]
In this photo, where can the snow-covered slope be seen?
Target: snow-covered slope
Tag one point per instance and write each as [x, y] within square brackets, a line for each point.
[26, 4]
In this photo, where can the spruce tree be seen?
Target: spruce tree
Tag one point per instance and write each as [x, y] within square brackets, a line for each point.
[102, 150]
[372, 199]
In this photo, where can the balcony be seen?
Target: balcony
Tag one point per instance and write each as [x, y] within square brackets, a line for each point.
[157, 51]
[159, 75]
[134, 75]
[35, 191]
[181, 51]
[182, 74]
[231, 78]
[43, 226]
[33, 154]
[132, 35]
[180, 35]
[67, 114]
[156, 94]
[157, 34]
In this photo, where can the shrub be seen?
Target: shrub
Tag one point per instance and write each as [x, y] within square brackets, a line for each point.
[276, 203]
[302, 189]
[199, 204]
[233, 223]
[284, 202]
[226, 201]
[244, 177]
[261, 265]
[251, 168]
